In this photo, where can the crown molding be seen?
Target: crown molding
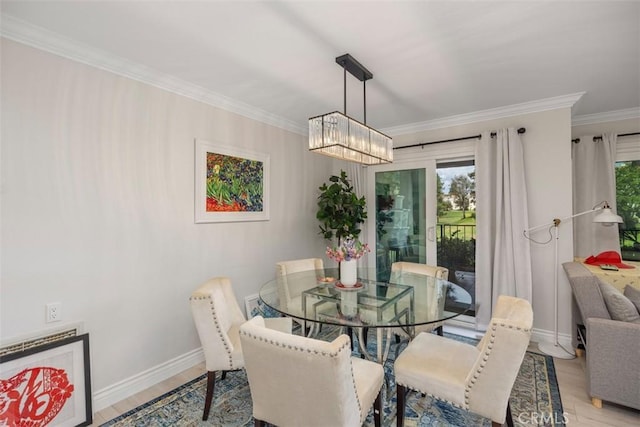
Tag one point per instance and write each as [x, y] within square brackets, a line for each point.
[563, 101]
[40, 38]
[609, 116]
[49, 41]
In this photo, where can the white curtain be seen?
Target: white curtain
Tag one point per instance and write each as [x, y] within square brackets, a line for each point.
[594, 181]
[503, 261]
[355, 173]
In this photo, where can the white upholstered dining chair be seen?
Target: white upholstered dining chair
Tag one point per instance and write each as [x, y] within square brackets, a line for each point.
[408, 273]
[290, 289]
[475, 378]
[218, 317]
[299, 381]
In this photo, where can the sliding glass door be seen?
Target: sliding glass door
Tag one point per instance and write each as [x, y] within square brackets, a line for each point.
[399, 218]
[424, 212]
[402, 215]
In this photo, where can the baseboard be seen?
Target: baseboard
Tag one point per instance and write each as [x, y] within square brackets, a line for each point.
[463, 330]
[537, 335]
[128, 387]
[542, 335]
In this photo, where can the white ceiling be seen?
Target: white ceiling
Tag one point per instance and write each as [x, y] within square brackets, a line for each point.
[430, 59]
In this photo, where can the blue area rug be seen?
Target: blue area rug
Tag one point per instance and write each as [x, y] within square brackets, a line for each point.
[535, 400]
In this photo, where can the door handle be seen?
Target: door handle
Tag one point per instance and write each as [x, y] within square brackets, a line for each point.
[431, 233]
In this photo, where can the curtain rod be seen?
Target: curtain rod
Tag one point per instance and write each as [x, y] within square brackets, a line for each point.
[599, 137]
[479, 136]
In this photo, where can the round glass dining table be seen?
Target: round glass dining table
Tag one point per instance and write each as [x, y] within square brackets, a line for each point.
[406, 302]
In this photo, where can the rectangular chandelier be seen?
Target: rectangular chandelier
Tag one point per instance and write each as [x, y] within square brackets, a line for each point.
[338, 135]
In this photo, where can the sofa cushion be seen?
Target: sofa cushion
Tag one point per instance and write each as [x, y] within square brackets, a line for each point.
[619, 306]
[633, 294]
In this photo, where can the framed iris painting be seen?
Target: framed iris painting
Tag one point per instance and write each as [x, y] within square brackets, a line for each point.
[232, 184]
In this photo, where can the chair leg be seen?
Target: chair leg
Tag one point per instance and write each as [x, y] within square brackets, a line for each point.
[508, 418]
[439, 330]
[365, 332]
[377, 410]
[224, 375]
[211, 382]
[401, 392]
[365, 339]
[259, 423]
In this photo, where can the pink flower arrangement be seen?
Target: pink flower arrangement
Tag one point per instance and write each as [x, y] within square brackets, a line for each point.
[350, 249]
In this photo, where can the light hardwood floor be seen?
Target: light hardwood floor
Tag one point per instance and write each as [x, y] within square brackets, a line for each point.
[577, 404]
[571, 379]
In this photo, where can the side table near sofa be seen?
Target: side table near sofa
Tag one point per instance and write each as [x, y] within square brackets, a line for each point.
[620, 278]
[611, 338]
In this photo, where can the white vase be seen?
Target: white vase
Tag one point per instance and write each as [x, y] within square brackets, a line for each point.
[349, 272]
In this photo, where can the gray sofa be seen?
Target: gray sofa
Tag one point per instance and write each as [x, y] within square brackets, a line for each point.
[612, 346]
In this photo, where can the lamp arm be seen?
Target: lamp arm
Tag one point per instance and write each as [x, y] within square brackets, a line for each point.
[556, 221]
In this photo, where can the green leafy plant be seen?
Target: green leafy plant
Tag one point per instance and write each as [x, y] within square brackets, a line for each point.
[340, 211]
[384, 203]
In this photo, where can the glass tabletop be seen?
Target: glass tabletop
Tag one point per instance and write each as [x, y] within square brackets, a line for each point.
[405, 300]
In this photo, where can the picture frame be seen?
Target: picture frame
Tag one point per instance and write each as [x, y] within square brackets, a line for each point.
[231, 183]
[251, 304]
[47, 385]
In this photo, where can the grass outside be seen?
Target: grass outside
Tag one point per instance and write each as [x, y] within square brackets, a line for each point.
[455, 217]
[451, 224]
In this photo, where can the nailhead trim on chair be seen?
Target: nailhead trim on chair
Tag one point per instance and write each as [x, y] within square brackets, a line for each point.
[217, 323]
[353, 383]
[293, 347]
[492, 338]
[457, 405]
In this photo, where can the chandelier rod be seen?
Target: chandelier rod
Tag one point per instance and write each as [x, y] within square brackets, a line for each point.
[357, 70]
[364, 96]
[344, 85]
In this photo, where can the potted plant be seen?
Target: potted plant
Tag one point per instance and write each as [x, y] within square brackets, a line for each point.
[340, 210]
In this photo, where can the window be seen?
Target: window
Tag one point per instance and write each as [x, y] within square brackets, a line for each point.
[628, 207]
[628, 195]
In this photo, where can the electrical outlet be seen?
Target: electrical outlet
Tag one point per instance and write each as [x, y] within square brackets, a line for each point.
[54, 312]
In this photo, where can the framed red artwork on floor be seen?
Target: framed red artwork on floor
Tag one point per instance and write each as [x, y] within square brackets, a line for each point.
[47, 385]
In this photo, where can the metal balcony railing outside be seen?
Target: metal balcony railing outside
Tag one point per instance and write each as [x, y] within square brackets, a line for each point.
[630, 244]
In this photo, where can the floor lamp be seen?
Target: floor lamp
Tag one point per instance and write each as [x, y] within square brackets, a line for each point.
[605, 217]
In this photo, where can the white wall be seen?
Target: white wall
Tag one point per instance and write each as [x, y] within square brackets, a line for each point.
[97, 209]
[547, 150]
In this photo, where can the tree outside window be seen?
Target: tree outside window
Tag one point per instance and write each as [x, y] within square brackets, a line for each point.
[628, 207]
